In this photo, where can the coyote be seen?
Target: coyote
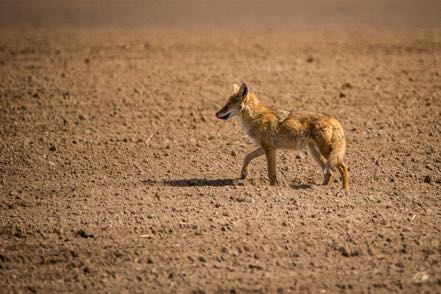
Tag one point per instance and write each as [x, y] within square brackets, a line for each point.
[273, 129]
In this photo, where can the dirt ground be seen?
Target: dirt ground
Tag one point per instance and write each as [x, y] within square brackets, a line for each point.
[115, 175]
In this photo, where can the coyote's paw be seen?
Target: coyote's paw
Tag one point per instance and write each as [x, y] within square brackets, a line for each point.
[342, 193]
[238, 182]
[274, 183]
[327, 180]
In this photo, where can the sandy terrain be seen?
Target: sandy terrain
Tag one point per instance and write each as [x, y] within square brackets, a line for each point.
[115, 175]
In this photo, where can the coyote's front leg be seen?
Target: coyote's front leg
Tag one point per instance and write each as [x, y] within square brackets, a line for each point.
[252, 155]
[271, 161]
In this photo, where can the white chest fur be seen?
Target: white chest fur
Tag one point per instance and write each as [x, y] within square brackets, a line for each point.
[246, 127]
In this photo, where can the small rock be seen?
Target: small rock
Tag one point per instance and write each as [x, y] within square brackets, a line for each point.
[84, 234]
[202, 259]
[309, 59]
[241, 199]
[427, 179]
[52, 147]
[420, 277]
[18, 233]
[300, 155]
[255, 266]
[346, 86]
[4, 258]
[233, 153]
[82, 117]
[355, 253]
[344, 252]
[429, 167]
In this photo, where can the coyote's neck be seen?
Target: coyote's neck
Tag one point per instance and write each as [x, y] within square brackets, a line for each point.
[252, 109]
[252, 115]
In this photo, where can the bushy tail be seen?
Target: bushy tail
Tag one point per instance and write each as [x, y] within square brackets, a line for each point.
[338, 149]
[336, 155]
[335, 159]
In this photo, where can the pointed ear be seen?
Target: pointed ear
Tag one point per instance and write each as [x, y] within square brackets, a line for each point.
[243, 91]
[235, 88]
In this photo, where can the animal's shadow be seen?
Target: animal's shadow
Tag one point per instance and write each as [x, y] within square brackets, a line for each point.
[297, 186]
[194, 182]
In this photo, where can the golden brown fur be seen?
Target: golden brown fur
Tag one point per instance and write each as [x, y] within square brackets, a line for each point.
[277, 129]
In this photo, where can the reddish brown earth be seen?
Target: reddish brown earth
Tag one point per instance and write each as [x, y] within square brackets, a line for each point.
[115, 175]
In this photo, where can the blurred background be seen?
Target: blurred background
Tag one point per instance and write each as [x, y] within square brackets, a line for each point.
[207, 13]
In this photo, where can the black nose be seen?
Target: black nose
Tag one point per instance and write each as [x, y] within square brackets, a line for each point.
[217, 114]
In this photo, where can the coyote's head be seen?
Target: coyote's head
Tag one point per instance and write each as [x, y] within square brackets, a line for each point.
[234, 103]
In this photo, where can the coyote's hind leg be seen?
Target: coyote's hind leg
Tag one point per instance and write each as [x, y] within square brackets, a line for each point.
[317, 156]
[344, 174]
[327, 173]
[327, 176]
